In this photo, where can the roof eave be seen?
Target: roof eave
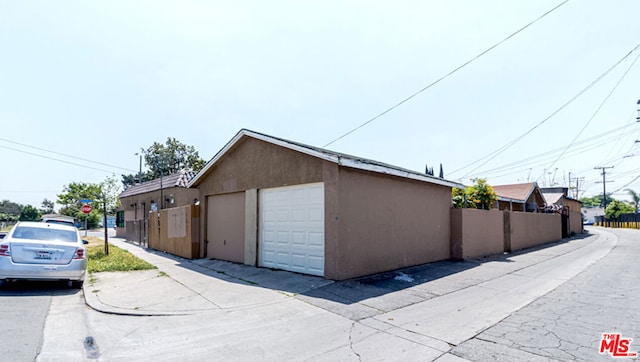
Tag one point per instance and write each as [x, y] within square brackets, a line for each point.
[342, 161]
[405, 174]
[508, 199]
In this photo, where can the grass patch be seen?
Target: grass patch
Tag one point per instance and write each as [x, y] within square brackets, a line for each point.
[92, 240]
[117, 260]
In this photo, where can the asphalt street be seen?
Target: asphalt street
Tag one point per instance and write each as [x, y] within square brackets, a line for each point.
[548, 303]
[568, 323]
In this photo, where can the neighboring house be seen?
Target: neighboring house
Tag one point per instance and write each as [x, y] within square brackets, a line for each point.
[111, 221]
[558, 200]
[589, 214]
[137, 200]
[271, 202]
[520, 197]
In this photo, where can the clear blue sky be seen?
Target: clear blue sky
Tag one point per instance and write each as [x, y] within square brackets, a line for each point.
[99, 80]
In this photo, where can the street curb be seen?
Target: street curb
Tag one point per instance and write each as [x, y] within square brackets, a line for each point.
[92, 300]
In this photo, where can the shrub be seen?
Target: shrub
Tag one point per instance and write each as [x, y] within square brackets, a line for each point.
[479, 196]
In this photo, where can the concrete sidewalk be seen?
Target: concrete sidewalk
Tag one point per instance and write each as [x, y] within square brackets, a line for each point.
[183, 286]
[435, 306]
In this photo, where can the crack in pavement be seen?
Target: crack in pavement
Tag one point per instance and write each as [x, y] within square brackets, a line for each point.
[353, 325]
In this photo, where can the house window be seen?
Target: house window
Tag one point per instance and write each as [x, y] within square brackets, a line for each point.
[120, 219]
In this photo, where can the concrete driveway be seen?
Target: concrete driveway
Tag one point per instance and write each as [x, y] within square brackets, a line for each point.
[234, 312]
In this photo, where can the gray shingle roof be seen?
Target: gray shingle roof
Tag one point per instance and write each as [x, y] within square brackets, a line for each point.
[179, 179]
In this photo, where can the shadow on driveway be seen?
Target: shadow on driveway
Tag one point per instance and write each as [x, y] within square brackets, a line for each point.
[370, 295]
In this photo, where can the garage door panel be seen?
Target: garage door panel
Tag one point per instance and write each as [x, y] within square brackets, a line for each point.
[283, 259]
[298, 260]
[299, 215]
[316, 263]
[316, 192]
[316, 215]
[270, 255]
[298, 195]
[283, 215]
[298, 237]
[298, 227]
[268, 236]
[283, 237]
[316, 239]
[269, 215]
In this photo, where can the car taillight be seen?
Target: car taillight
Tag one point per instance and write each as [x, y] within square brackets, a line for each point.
[4, 250]
[79, 254]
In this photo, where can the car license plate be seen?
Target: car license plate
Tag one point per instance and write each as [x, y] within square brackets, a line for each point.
[42, 255]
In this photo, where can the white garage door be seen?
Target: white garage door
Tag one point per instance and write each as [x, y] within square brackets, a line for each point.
[292, 228]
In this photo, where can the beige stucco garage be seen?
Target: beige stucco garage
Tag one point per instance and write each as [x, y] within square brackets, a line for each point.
[281, 204]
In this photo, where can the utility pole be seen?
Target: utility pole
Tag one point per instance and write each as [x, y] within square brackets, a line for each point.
[578, 179]
[604, 183]
[575, 191]
[140, 170]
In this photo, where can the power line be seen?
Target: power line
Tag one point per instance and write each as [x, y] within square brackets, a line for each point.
[627, 184]
[56, 159]
[508, 145]
[62, 154]
[446, 75]
[621, 144]
[594, 113]
[604, 183]
[539, 159]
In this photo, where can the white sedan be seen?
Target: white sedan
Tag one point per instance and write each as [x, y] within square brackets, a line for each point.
[43, 251]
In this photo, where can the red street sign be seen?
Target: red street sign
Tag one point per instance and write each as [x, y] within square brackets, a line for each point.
[86, 209]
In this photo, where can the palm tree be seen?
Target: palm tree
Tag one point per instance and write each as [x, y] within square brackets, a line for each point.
[635, 197]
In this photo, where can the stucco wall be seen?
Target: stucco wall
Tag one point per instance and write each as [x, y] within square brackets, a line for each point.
[385, 223]
[575, 222]
[532, 229]
[258, 164]
[476, 233]
[575, 215]
[255, 164]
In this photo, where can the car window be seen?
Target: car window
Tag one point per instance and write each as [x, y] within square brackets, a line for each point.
[61, 222]
[23, 232]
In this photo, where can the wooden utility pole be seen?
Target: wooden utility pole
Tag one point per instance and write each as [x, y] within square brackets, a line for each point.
[106, 227]
[604, 183]
[575, 191]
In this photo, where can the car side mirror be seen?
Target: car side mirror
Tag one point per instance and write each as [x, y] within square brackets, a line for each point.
[84, 242]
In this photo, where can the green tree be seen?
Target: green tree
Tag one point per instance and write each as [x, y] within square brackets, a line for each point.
[617, 208]
[100, 193]
[9, 211]
[165, 159]
[46, 207]
[635, 199]
[132, 179]
[71, 205]
[109, 191]
[479, 196]
[10, 208]
[29, 213]
[595, 201]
